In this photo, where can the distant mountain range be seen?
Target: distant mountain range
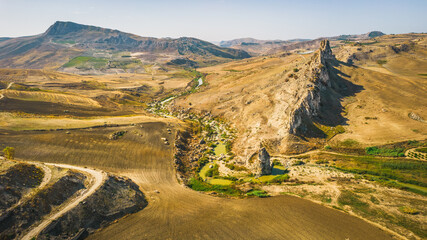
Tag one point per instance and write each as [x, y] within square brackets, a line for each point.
[67, 39]
[256, 46]
[253, 41]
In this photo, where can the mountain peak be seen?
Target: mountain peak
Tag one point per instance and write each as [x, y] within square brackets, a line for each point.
[373, 34]
[325, 50]
[63, 28]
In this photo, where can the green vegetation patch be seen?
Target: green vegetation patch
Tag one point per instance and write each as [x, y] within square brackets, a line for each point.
[220, 149]
[204, 167]
[219, 181]
[258, 193]
[408, 210]
[84, 62]
[268, 179]
[212, 171]
[381, 62]
[202, 186]
[235, 167]
[422, 150]
[399, 173]
[386, 152]
[298, 163]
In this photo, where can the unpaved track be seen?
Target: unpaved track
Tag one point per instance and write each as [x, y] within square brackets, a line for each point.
[8, 86]
[98, 178]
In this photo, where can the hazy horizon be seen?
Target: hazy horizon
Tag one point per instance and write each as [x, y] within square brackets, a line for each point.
[219, 20]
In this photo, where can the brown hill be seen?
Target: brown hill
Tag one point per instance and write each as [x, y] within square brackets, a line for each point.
[67, 39]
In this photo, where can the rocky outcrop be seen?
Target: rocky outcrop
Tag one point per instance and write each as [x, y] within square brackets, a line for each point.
[415, 117]
[262, 164]
[317, 73]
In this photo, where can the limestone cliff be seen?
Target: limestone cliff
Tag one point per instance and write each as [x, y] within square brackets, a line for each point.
[317, 73]
[262, 165]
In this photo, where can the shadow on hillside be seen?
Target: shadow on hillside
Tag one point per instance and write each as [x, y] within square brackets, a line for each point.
[332, 111]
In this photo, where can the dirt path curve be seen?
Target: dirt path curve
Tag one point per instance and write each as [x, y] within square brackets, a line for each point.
[8, 86]
[422, 156]
[45, 181]
[98, 178]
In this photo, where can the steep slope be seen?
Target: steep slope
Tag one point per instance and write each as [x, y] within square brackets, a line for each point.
[256, 46]
[69, 39]
[336, 40]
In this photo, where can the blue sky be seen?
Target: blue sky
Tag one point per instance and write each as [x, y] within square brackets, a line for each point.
[216, 20]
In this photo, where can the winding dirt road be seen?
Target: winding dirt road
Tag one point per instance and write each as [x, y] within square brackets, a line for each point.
[97, 179]
[8, 86]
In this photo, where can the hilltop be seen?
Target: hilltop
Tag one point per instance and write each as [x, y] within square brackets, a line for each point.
[66, 40]
[257, 47]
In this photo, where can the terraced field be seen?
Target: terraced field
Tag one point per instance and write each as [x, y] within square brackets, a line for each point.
[174, 211]
[52, 97]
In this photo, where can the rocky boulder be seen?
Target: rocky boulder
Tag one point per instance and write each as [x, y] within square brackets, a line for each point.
[264, 166]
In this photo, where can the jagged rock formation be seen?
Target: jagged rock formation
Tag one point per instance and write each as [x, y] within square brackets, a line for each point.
[263, 165]
[317, 73]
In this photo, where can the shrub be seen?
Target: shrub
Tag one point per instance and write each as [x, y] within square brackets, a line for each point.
[349, 198]
[422, 150]
[235, 167]
[280, 179]
[258, 193]
[277, 163]
[228, 146]
[322, 162]
[327, 147]
[298, 162]
[349, 143]
[202, 162]
[213, 172]
[9, 152]
[408, 210]
[295, 69]
[381, 62]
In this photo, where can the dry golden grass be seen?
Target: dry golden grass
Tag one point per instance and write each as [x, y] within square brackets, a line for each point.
[51, 97]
